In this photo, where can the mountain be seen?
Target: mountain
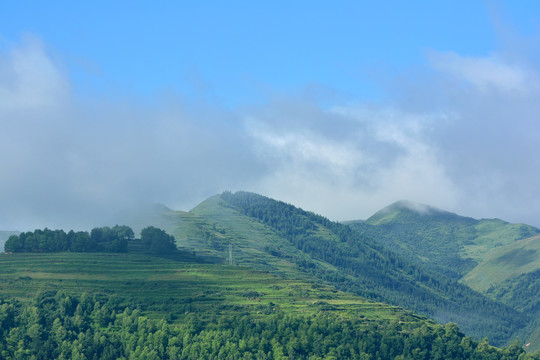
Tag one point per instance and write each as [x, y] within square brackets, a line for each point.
[251, 263]
[273, 236]
[511, 275]
[451, 243]
[499, 259]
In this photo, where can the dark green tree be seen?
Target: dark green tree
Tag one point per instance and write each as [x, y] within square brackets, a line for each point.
[157, 241]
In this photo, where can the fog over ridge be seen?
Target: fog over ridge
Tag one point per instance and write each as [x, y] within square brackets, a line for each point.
[462, 137]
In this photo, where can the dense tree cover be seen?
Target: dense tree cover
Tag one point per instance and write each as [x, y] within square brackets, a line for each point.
[104, 239]
[100, 239]
[522, 293]
[157, 241]
[62, 326]
[434, 239]
[369, 269]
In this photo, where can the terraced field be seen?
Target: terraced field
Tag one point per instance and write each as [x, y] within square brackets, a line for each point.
[165, 288]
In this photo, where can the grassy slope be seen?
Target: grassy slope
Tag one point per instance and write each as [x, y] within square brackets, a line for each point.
[167, 288]
[494, 233]
[249, 238]
[509, 274]
[209, 228]
[504, 263]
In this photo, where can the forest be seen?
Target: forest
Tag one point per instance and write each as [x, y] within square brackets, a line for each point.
[57, 325]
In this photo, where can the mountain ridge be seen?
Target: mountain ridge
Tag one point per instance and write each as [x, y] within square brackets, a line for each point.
[268, 235]
[276, 236]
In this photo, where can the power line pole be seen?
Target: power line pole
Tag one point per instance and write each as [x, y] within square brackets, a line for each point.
[230, 254]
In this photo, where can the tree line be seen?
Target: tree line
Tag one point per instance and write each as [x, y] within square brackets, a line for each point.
[57, 325]
[100, 239]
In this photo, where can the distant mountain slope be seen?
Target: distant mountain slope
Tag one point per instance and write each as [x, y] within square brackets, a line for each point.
[497, 258]
[369, 269]
[143, 215]
[505, 263]
[211, 229]
[452, 243]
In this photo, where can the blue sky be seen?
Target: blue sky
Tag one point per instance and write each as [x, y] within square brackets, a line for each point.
[341, 108]
[241, 50]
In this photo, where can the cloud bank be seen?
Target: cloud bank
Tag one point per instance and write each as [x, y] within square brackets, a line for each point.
[463, 137]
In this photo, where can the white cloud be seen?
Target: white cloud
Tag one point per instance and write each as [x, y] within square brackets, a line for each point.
[379, 157]
[29, 79]
[72, 162]
[485, 73]
[306, 147]
[470, 148]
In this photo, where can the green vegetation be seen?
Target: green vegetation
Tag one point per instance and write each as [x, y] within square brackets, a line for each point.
[4, 235]
[446, 242]
[505, 263]
[494, 233]
[492, 256]
[104, 239]
[359, 264]
[117, 239]
[521, 291]
[175, 287]
[420, 273]
[431, 250]
[56, 325]
[157, 241]
[130, 306]
[290, 267]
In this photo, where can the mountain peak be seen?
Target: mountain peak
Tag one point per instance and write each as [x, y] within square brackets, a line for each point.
[421, 209]
[403, 208]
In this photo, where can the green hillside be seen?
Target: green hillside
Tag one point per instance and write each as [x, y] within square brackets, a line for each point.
[522, 292]
[430, 251]
[492, 256]
[171, 289]
[451, 243]
[109, 306]
[289, 267]
[76, 305]
[504, 263]
[285, 240]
